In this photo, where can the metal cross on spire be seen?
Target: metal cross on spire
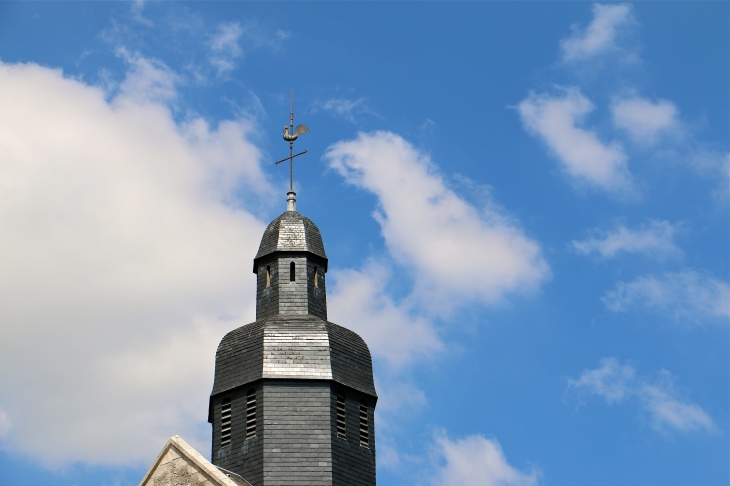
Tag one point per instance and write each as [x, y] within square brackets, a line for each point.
[291, 134]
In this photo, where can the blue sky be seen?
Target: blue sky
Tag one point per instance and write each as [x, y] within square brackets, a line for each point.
[525, 208]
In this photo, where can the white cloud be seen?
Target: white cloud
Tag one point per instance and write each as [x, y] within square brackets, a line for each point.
[5, 424]
[122, 263]
[232, 40]
[225, 47]
[398, 396]
[668, 412]
[397, 399]
[654, 239]
[476, 461]
[428, 227]
[687, 295]
[343, 108]
[135, 10]
[556, 120]
[611, 381]
[710, 162]
[388, 455]
[391, 331]
[617, 383]
[147, 81]
[600, 36]
[645, 121]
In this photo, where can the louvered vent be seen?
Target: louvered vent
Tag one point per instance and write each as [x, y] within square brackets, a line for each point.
[341, 417]
[226, 422]
[251, 413]
[364, 433]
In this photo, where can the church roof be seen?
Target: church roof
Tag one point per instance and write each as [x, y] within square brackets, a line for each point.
[301, 347]
[291, 232]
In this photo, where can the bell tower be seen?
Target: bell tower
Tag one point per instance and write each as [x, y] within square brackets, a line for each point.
[293, 399]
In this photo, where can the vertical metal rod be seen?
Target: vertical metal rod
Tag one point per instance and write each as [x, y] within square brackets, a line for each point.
[291, 166]
[291, 145]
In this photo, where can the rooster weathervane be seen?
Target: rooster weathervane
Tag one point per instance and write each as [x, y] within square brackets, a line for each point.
[291, 134]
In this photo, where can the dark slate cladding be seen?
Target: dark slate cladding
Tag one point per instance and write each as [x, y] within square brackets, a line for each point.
[267, 298]
[291, 232]
[314, 238]
[316, 296]
[240, 358]
[297, 440]
[284, 296]
[351, 362]
[293, 347]
[243, 456]
[352, 463]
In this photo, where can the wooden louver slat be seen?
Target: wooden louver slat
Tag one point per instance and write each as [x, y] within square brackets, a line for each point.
[251, 414]
[341, 417]
[226, 422]
[364, 431]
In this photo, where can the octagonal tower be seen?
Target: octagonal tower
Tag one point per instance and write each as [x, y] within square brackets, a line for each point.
[293, 399]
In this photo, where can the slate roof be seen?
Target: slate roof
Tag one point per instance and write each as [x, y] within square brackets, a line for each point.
[293, 347]
[291, 232]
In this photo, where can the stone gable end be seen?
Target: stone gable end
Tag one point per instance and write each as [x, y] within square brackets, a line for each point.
[180, 465]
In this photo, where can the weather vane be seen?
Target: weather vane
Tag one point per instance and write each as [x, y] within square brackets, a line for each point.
[290, 134]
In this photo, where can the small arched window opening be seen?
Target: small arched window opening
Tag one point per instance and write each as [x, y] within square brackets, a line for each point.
[268, 276]
[226, 422]
[251, 413]
[292, 272]
[316, 277]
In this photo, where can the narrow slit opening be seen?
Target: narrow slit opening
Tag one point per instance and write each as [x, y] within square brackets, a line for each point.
[292, 272]
[316, 277]
[268, 276]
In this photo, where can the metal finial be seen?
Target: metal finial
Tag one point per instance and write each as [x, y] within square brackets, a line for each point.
[291, 134]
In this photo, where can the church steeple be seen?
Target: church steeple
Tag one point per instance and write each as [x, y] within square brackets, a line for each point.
[293, 399]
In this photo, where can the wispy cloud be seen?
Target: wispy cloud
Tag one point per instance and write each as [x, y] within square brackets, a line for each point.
[556, 120]
[644, 120]
[225, 47]
[147, 80]
[654, 239]
[617, 383]
[232, 40]
[135, 10]
[343, 108]
[476, 461]
[687, 295]
[600, 36]
[394, 333]
[422, 220]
